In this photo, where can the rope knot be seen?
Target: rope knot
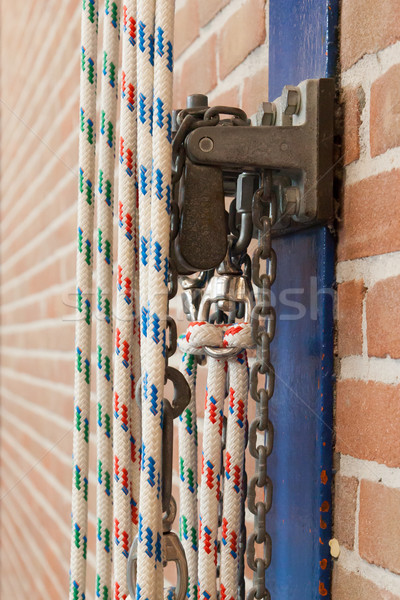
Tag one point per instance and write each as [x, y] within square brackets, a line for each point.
[201, 334]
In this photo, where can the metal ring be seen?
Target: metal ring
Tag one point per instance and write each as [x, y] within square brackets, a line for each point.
[174, 552]
[221, 353]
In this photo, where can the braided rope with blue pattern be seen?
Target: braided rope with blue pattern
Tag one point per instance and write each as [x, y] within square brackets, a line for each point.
[84, 273]
[188, 486]
[150, 547]
[104, 273]
[126, 411]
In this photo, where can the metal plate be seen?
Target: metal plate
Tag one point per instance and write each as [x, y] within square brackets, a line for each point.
[302, 45]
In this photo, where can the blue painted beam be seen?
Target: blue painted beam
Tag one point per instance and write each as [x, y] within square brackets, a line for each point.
[302, 45]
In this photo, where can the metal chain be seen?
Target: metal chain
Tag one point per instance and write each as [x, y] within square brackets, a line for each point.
[263, 269]
[263, 330]
[181, 398]
[189, 119]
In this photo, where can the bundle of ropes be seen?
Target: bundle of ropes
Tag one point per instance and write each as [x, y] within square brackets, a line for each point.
[131, 344]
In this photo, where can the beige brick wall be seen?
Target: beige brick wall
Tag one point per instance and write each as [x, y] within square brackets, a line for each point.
[39, 119]
[40, 43]
[368, 272]
[215, 54]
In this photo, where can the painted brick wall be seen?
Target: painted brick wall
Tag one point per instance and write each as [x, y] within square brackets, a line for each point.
[215, 54]
[39, 116]
[39, 105]
[219, 56]
[367, 507]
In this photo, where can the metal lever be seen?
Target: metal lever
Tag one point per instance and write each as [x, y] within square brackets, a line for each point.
[201, 241]
[299, 145]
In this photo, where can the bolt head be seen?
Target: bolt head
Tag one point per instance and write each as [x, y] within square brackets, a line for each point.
[291, 98]
[291, 200]
[206, 144]
[267, 114]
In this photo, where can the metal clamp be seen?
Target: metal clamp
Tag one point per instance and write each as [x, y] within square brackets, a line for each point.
[296, 141]
[227, 290]
[173, 552]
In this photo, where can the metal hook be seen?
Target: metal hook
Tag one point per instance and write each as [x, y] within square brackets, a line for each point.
[173, 552]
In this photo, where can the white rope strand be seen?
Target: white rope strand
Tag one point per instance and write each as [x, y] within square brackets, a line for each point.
[233, 478]
[84, 272]
[199, 335]
[105, 209]
[188, 505]
[126, 417]
[150, 569]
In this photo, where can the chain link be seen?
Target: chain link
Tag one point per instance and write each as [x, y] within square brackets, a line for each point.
[263, 321]
[263, 330]
[190, 119]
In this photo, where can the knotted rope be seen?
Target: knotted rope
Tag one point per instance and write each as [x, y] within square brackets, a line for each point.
[200, 335]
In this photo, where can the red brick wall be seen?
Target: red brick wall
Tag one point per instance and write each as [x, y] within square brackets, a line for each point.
[367, 502]
[40, 43]
[215, 54]
[39, 115]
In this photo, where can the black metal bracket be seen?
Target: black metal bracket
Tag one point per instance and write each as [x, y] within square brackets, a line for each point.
[293, 136]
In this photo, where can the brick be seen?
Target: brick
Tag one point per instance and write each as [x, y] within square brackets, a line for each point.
[176, 90]
[370, 218]
[199, 71]
[186, 26]
[367, 26]
[385, 112]
[236, 40]
[352, 586]
[349, 315]
[352, 120]
[383, 314]
[228, 98]
[209, 8]
[255, 91]
[345, 509]
[379, 525]
[368, 421]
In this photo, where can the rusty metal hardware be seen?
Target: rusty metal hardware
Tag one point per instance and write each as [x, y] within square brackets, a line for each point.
[202, 239]
[280, 175]
[298, 145]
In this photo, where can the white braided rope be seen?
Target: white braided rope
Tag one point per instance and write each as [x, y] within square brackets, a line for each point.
[104, 338]
[188, 505]
[233, 476]
[202, 334]
[84, 272]
[145, 83]
[149, 577]
[210, 488]
[126, 413]
[155, 171]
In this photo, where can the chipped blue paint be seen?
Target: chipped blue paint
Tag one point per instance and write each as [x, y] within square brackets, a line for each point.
[302, 45]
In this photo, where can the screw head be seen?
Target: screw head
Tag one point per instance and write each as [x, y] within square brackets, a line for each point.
[267, 113]
[206, 144]
[291, 99]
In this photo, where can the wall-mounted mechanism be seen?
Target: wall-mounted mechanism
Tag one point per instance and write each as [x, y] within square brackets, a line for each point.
[215, 157]
[278, 175]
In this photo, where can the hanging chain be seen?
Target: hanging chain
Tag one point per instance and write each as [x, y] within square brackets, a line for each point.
[264, 217]
[263, 269]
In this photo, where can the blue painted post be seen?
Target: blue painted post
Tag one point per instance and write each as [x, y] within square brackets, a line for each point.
[302, 45]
